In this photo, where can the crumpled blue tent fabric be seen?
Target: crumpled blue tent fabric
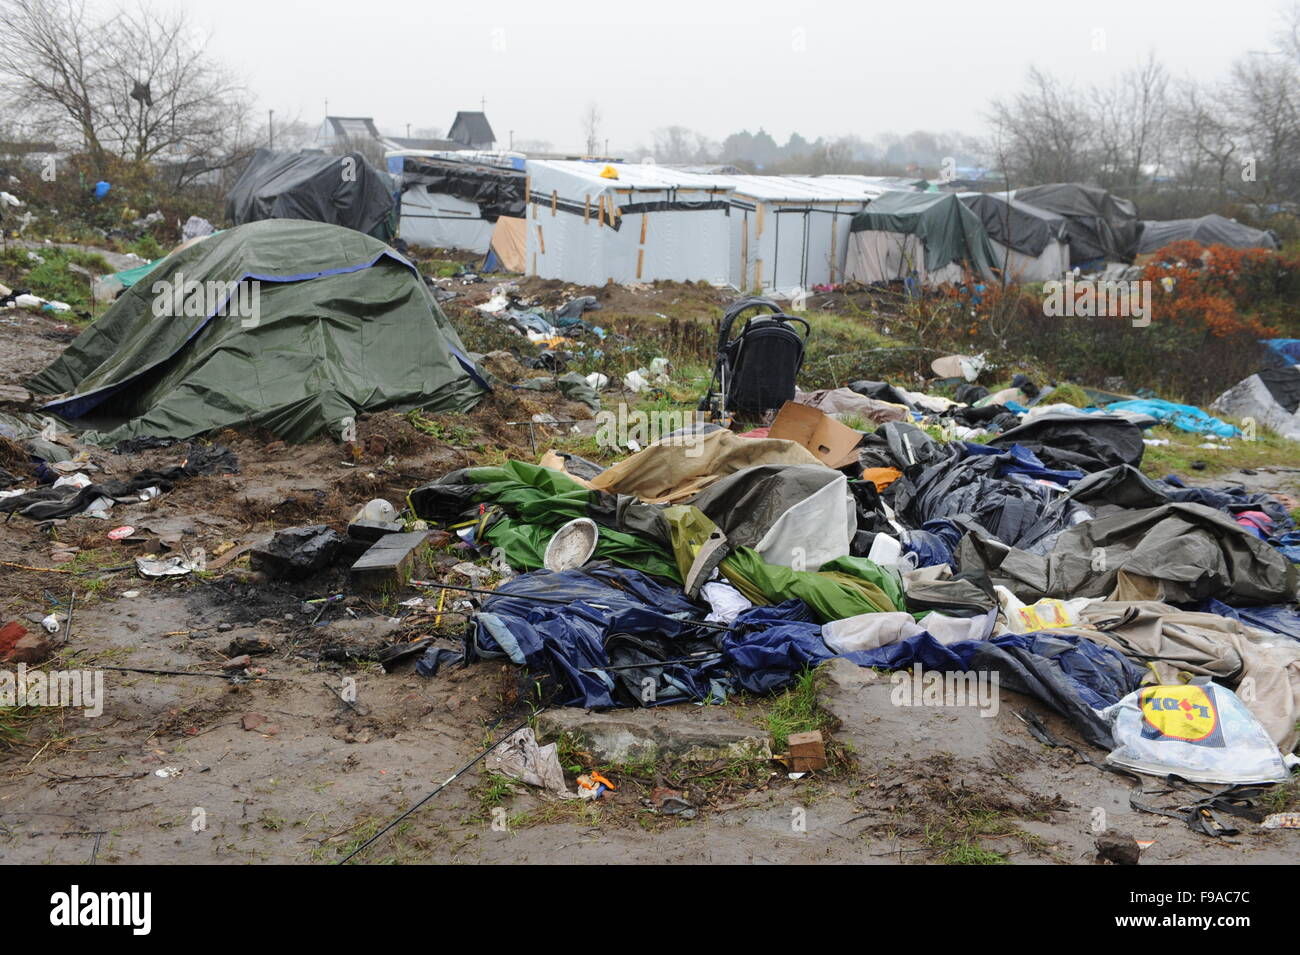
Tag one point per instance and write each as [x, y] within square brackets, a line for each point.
[568, 640]
[1282, 619]
[1287, 348]
[1070, 673]
[1182, 417]
[1289, 545]
[1018, 459]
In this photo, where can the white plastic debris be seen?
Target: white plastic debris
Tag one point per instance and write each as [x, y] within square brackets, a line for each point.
[1199, 731]
[378, 510]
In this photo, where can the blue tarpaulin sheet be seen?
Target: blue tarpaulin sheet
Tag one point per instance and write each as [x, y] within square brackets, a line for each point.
[1182, 417]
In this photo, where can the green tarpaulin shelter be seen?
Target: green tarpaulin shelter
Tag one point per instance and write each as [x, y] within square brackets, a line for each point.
[931, 235]
[288, 325]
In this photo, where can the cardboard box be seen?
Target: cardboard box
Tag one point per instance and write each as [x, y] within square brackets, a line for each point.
[832, 443]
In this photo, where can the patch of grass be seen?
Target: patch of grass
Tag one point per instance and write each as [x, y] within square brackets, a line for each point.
[450, 433]
[55, 280]
[13, 720]
[146, 247]
[797, 710]
[1284, 797]
[967, 853]
[1069, 394]
[1184, 449]
[491, 792]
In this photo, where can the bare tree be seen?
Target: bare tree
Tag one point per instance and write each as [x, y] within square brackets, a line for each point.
[138, 84]
[1263, 95]
[1202, 139]
[675, 144]
[591, 128]
[1044, 131]
[1131, 125]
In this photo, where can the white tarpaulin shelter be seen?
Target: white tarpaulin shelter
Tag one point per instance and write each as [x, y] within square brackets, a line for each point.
[789, 232]
[595, 222]
[452, 200]
[872, 187]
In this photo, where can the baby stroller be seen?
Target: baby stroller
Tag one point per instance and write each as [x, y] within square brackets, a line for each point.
[755, 371]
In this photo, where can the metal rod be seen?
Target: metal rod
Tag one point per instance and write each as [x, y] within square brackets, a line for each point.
[693, 658]
[450, 779]
[222, 676]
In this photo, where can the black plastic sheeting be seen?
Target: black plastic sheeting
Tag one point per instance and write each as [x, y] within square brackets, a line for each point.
[1192, 551]
[497, 191]
[340, 190]
[1017, 225]
[1090, 442]
[1208, 230]
[1100, 225]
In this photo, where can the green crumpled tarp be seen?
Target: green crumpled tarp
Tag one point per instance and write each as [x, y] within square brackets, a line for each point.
[657, 540]
[844, 587]
[537, 502]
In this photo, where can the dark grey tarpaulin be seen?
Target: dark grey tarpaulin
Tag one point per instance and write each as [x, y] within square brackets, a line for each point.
[497, 191]
[1015, 224]
[1087, 441]
[1101, 225]
[1208, 230]
[339, 190]
[1179, 553]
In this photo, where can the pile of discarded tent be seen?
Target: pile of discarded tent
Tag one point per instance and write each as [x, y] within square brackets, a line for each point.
[710, 563]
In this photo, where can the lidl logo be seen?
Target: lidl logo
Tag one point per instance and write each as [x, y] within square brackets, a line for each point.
[1179, 712]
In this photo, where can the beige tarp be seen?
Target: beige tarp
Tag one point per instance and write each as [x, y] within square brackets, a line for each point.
[676, 469]
[508, 240]
[885, 256]
[838, 401]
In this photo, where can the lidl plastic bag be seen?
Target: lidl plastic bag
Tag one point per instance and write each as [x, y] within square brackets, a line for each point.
[1200, 732]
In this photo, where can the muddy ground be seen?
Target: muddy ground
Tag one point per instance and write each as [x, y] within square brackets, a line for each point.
[197, 769]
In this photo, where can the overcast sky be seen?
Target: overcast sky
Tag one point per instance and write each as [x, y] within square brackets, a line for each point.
[819, 68]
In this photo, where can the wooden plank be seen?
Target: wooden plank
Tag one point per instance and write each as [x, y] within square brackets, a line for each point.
[541, 241]
[640, 261]
[555, 200]
[586, 210]
[645, 219]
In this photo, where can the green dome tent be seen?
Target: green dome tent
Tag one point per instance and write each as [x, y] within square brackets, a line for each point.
[288, 325]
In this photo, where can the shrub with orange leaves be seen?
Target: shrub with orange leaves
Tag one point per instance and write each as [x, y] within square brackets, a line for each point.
[1225, 290]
